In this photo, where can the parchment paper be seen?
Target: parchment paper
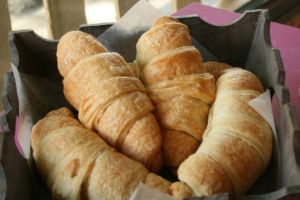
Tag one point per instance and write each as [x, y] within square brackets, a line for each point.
[123, 35]
[37, 96]
[263, 105]
[143, 192]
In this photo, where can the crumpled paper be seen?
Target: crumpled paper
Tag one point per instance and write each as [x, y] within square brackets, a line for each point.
[143, 192]
[123, 35]
[37, 96]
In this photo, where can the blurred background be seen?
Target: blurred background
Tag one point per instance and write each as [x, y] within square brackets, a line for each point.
[31, 14]
[52, 18]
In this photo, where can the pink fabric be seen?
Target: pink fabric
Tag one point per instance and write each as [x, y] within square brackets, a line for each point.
[284, 38]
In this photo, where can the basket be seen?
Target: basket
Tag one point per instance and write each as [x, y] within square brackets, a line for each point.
[245, 42]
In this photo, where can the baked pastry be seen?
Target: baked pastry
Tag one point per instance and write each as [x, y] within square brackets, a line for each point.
[78, 164]
[74, 48]
[135, 69]
[215, 68]
[237, 143]
[181, 93]
[110, 99]
[165, 34]
[180, 190]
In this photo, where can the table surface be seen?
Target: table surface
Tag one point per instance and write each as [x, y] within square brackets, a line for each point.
[284, 38]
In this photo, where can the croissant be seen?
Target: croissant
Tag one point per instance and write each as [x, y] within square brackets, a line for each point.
[77, 164]
[75, 49]
[109, 98]
[215, 68]
[180, 91]
[237, 143]
[165, 34]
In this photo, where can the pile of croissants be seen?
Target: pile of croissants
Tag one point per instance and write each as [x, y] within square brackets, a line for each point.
[168, 109]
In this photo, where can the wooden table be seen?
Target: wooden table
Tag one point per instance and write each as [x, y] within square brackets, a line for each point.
[284, 38]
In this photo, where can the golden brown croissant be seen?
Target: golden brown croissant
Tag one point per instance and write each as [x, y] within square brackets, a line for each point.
[166, 33]
[215, 68]
[180, 91]
[110, 99]
[237, 143]
[68, 55]
[78, 164]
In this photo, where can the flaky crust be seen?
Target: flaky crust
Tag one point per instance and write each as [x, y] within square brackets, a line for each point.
[166, 34]
[46, 126]
[140, 141]
[172, 73]
[176, 62]
[180, 144]
[77, 164]
[234, 79]
[110, 99]
[237, 142]
[204, 175]
[97, 71]
[180, 190]
[135, 69]
[249, 126]
[238, 158]
[157, 182]
[215, 68]
[73, 46]
[182, 106]
[119, 177]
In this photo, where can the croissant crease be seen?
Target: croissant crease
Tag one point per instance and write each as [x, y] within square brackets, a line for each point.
[237, 143]
[75, 49]
[78, 164]
[109, 98]
[215, 68]
[181, 93]
[167, 33]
